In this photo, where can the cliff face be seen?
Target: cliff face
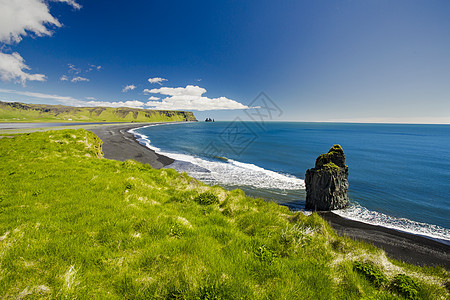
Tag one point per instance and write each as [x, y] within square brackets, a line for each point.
[327, 182]
[16, 111]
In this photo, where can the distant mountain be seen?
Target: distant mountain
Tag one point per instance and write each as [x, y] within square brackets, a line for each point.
[22, 112]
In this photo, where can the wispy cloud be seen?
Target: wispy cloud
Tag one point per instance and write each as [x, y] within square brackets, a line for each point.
[13, 67]
[79, 78]
[187, 98]
[67, 100]
[72, 3]
[40, 95]
[93, 67]
[128, 88]
[190, 98]
[158, 80]
[73, 69]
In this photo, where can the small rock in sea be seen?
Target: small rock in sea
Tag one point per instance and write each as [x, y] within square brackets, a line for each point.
[327, 182]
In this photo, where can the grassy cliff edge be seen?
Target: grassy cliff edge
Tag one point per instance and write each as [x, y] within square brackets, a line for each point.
[21, 112]
[76, 225]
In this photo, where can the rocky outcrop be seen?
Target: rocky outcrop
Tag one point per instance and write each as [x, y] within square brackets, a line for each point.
[327, 182]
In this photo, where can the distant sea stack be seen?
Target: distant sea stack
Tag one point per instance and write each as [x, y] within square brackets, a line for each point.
[327, 182]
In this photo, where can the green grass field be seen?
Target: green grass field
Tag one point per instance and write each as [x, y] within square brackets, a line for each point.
[21, 112]
[76, 225]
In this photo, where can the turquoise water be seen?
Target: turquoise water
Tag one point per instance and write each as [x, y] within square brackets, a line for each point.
[399, 175]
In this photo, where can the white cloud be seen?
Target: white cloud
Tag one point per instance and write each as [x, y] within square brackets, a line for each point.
[13, 67]
[128, 88]
[153, 98]
[19, 18]
[131, 103]
[70, 2]
[90, 98]
[190, 98]
[190, 90]
[158, 80]
[175, 101]
[78, 78]
[73, 69]
[93, 67]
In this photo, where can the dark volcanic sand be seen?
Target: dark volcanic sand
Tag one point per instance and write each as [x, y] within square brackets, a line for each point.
[399, 245]
[121, 145]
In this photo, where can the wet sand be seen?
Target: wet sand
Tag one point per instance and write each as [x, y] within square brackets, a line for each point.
[121, 145]
[399, 245]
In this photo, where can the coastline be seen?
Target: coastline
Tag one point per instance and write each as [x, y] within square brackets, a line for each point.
[406, 247]
[119, 144]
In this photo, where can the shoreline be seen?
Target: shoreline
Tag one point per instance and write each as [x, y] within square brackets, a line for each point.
[119, 144]
[403, 246]
[399, 245]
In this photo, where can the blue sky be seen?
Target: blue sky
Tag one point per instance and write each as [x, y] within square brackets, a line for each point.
[348, 61]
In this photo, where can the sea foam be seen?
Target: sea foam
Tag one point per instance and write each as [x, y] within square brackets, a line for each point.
[235, 173]
[359, 213]
[229, 173]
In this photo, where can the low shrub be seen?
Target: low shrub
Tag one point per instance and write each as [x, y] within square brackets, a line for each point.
[176, 230]
[211, 292]
[264, 254]
[405, 286]
[371, 273]
[206, 198]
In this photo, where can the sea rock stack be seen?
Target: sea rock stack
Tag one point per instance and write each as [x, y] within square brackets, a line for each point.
[327, 182]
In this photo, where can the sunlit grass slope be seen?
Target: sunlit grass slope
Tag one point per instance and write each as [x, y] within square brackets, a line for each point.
[21, 112]
[76, 225]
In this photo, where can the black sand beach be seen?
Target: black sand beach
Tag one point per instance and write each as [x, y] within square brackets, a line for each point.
[399, 245]
[120, 145]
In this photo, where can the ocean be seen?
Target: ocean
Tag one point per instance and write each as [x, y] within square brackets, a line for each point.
[399, 174]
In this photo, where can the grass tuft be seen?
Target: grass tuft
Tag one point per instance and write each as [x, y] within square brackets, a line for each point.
[405, 286]
[76, 225]
[207, 198]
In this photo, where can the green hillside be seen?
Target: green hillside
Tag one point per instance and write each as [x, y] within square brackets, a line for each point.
[74, 225]
[21, 112]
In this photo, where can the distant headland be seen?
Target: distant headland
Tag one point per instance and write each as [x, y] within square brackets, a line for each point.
[22, 112]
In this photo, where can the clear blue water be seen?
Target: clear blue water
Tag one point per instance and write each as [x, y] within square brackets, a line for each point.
[399, 175]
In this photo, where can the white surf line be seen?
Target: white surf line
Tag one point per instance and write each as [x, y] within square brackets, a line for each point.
[364, 215]
[231, 172]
